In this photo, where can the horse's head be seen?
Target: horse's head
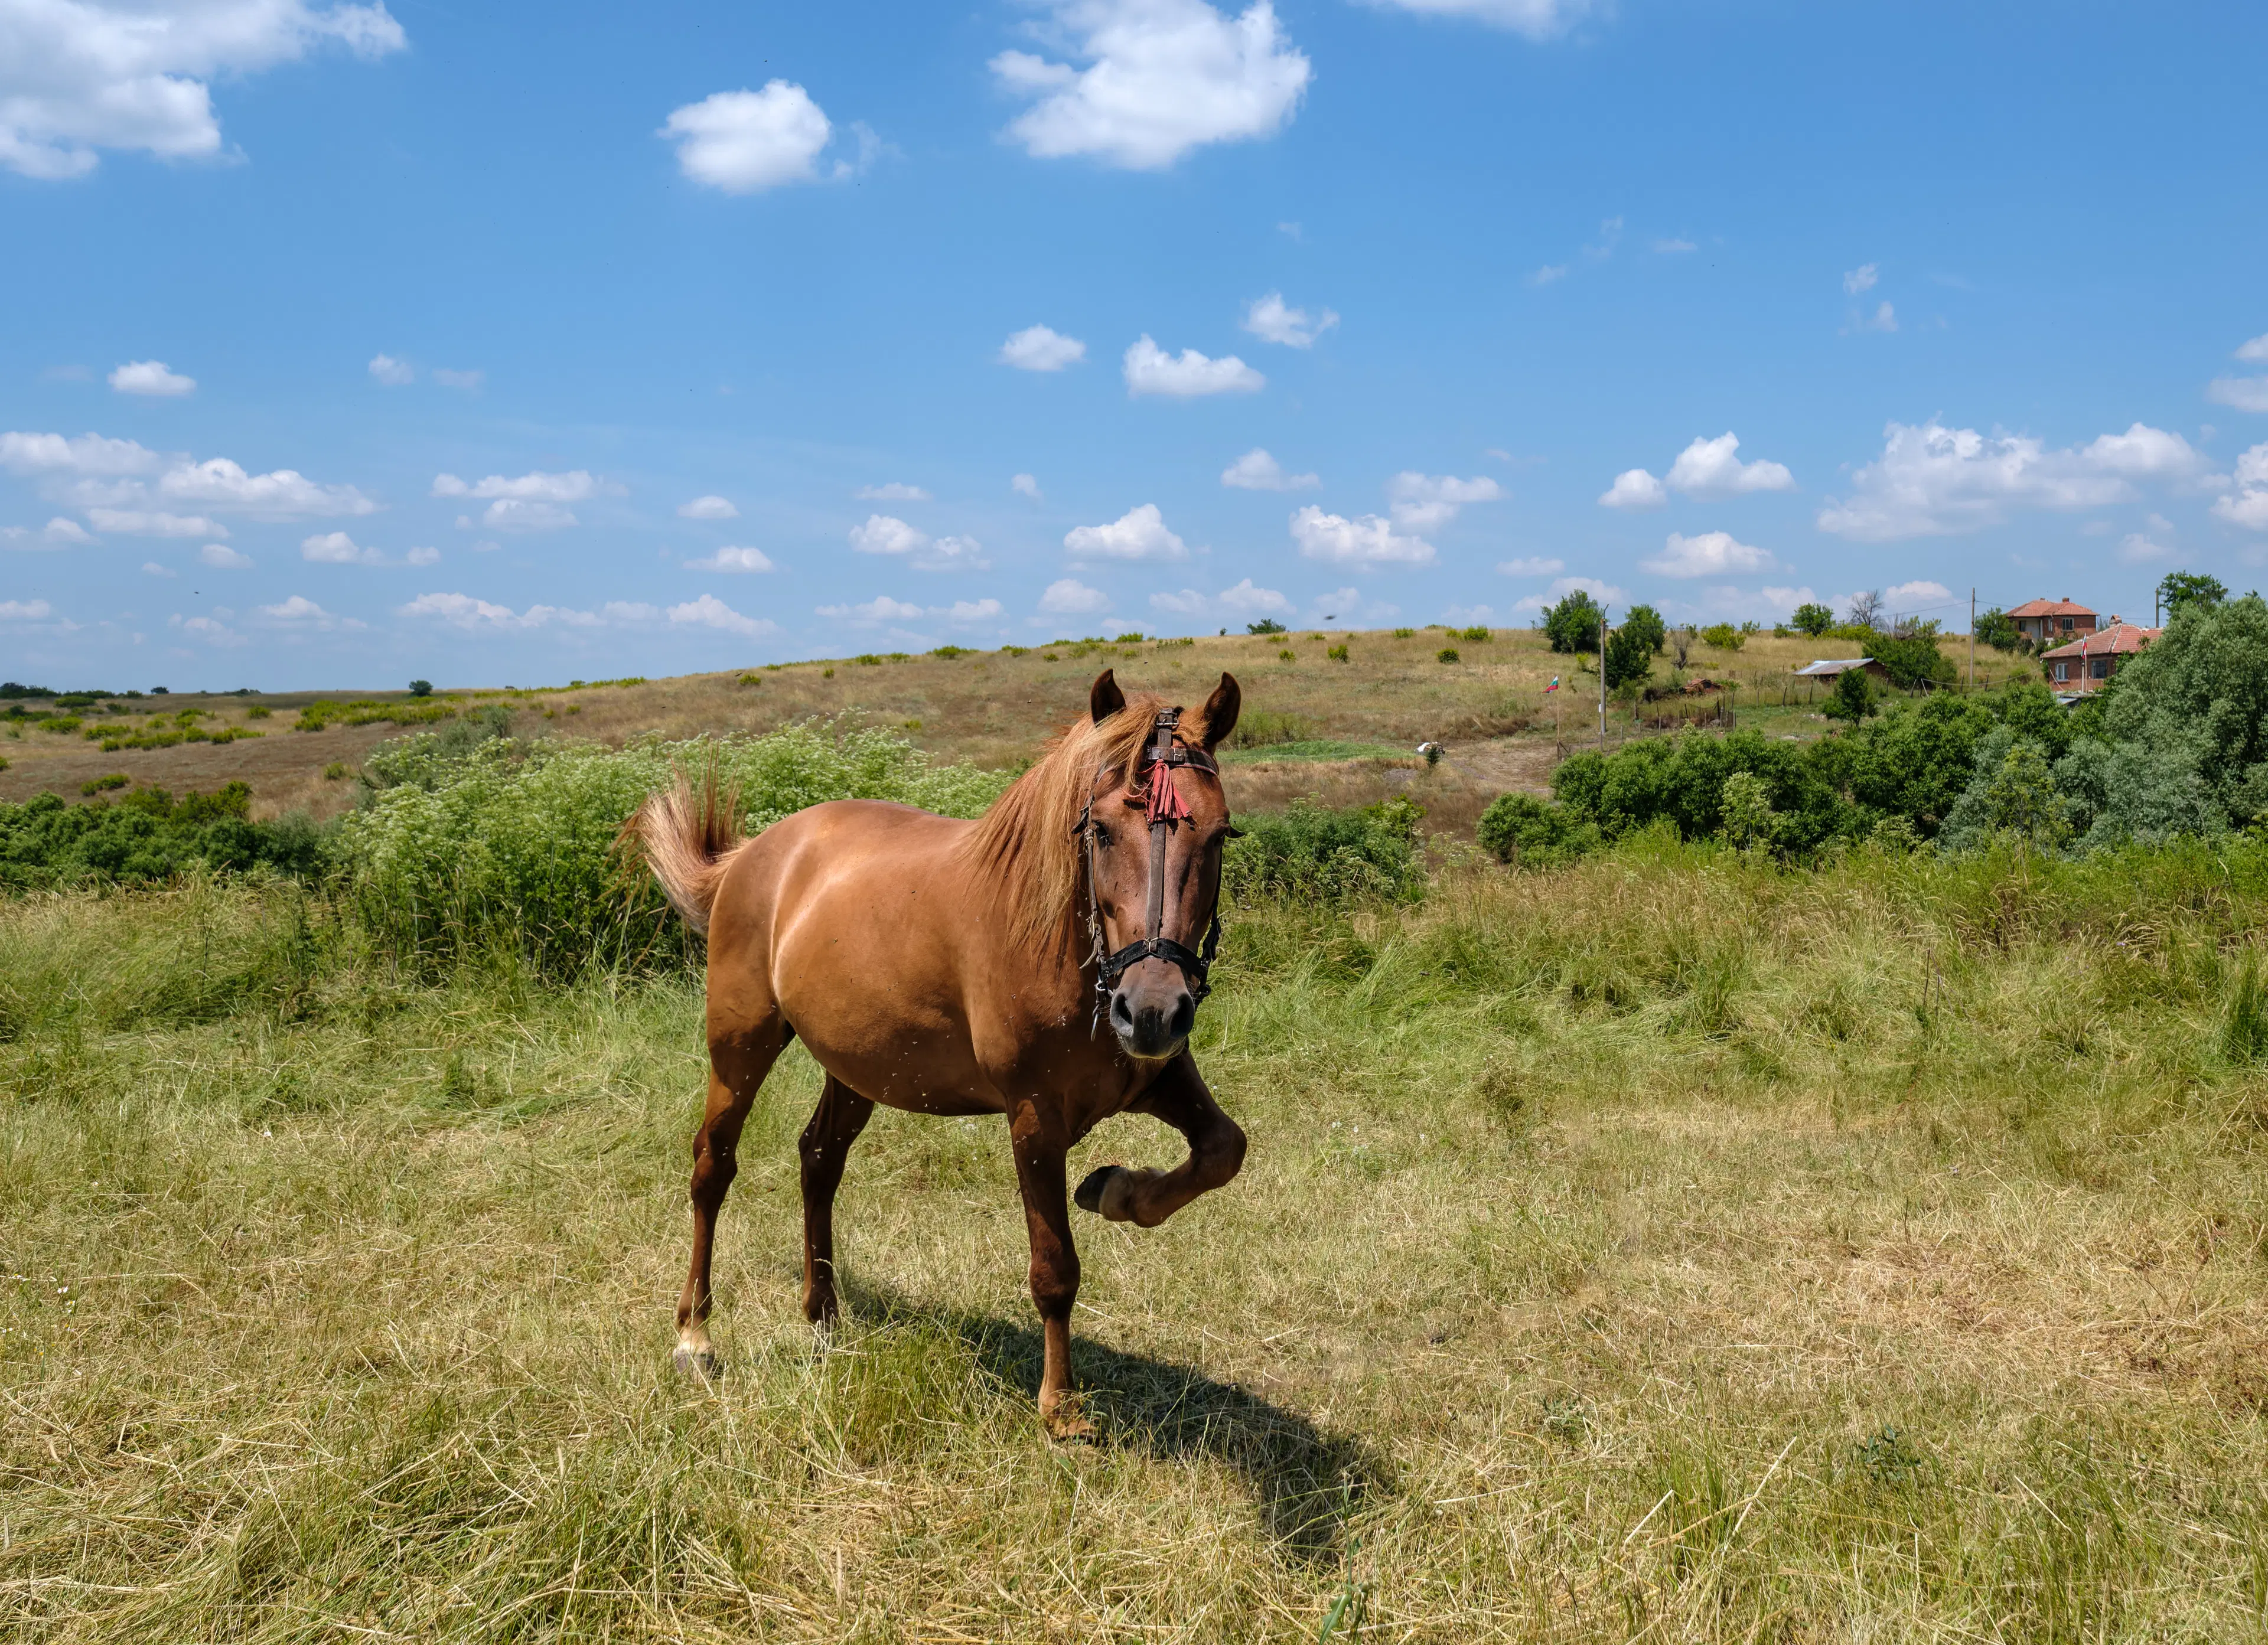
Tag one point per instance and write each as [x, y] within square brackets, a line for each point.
[1155, 829]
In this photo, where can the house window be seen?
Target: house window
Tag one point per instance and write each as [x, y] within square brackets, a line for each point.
[2100, 668]
[2066, 624]
[2063, 673]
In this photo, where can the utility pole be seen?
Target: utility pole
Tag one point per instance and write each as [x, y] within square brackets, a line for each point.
[1602, 680]
[1972, 639]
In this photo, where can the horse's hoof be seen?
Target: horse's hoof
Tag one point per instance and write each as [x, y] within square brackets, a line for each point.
[1089, 1194]
[1065, 1424]
[702, 1362]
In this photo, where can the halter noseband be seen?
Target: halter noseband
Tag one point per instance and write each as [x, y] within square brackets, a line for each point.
[1165, 810]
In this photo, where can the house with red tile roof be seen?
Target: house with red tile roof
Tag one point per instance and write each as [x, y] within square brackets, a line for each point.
[2088, 662]
[2046, 622]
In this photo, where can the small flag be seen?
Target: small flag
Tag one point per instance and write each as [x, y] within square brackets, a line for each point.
[1553, 686]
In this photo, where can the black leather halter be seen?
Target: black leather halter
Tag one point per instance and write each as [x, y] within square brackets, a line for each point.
[1196, 966]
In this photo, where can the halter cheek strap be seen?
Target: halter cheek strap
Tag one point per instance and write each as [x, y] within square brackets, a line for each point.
[1165, 810]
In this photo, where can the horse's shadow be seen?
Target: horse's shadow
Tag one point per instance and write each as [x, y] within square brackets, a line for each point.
[1308, 1484]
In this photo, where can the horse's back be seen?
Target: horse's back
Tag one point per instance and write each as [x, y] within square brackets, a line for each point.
[849, 920]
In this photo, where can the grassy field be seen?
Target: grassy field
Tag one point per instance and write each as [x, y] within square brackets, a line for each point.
[995, 707]
[1668, 1247]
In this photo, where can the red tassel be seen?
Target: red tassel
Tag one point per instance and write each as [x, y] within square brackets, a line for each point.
[1166, 802]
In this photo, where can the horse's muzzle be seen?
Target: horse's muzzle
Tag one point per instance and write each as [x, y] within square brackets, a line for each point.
[1151, 1023]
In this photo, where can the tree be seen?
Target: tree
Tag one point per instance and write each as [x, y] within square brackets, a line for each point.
[1866, 609]
[1997, 629]
[1646, 621]
[1266, 625]
[2204, 681]
[1913, 661]
[1750, 822]
[421, 688]
[1812, 619]
[1853, 698]
[1572, 625]
[1630, 656]
[2179, 587]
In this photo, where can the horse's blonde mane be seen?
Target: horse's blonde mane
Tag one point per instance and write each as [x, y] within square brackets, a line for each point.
[1028, 837]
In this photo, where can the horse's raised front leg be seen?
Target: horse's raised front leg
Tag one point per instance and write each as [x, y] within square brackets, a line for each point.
[1135, 1194]
[1039, 1145]
[737, 1068]
[826, 1144]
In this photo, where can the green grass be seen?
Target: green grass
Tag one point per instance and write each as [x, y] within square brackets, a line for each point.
[1316, 748]
[1669, 1244]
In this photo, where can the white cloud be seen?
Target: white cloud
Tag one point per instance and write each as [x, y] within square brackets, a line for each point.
[338, 548]
[575, 485]
[1538, 20]
[1040, 349]
[25, 611]
[1139, 534]
[1150, 370]
[1161, 77]
[87, 455]
[2144, 453]
[300, 611]
[733, 559]
[1634, 488]
[2240, 394]
[285, 494]
[422, 556]
[1711, 468]
[1861, 279]
[1884, 318]
[150, 377]
[1268, 319]
[708, 508]
[511, 514]
[1670, 247]
[1026, 485]
[391, 373]
[469, 381]
[462, 610]
[744, 141]
[1711, 553]
[886, 534]
[709, 611]
[1258, 471]
[1548, 274]
[78, 76]
[2246, 505]
[896, 491]
[1246, 600]
[1068, 596]
[151, 568]
[63, 532]
[986, 610]
[881, 608]
[1931, 481]
[145, 523]
[2255, 352]
[221, 557]
[1605, 593]
[2136, 548]
[1422, 502]
[1905, 598]
[211, 630]
[1367, 540]
[1534, 565]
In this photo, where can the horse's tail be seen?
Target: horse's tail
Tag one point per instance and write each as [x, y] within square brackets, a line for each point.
[686, 837]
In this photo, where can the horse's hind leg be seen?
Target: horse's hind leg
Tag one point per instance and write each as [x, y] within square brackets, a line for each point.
[1147, 1197]
[737, 1066]
[834, 1126]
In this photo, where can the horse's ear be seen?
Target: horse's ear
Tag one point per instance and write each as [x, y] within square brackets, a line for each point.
[1221, 710]
[1106, 698]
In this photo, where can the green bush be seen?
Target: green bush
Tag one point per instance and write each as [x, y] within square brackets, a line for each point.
[1572, 625]
[1629, 658]
[1913, 661]
[1724, 636]
[1812, 619]
[1313, 854]
[147, 837]
[1477, 635]
[1854, 698]
[1645, 623]
[1263, 728]
[1526, 832]
[1447, 654]
[507, 847]
[1266, 625]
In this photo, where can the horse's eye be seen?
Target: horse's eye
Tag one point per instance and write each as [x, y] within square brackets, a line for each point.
[1101, 837]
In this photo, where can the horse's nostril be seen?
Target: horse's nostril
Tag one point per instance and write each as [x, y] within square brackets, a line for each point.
[1121, 1014]
[1185, 1016]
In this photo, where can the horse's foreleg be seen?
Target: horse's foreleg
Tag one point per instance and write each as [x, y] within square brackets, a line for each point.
[1039, 1145]
[826, 1144]
[1180, 1098]
[736, 1071]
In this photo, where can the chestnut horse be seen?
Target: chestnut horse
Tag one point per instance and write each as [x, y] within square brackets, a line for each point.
[949, 967]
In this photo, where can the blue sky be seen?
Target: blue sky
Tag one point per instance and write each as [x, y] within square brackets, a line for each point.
[512, 344]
